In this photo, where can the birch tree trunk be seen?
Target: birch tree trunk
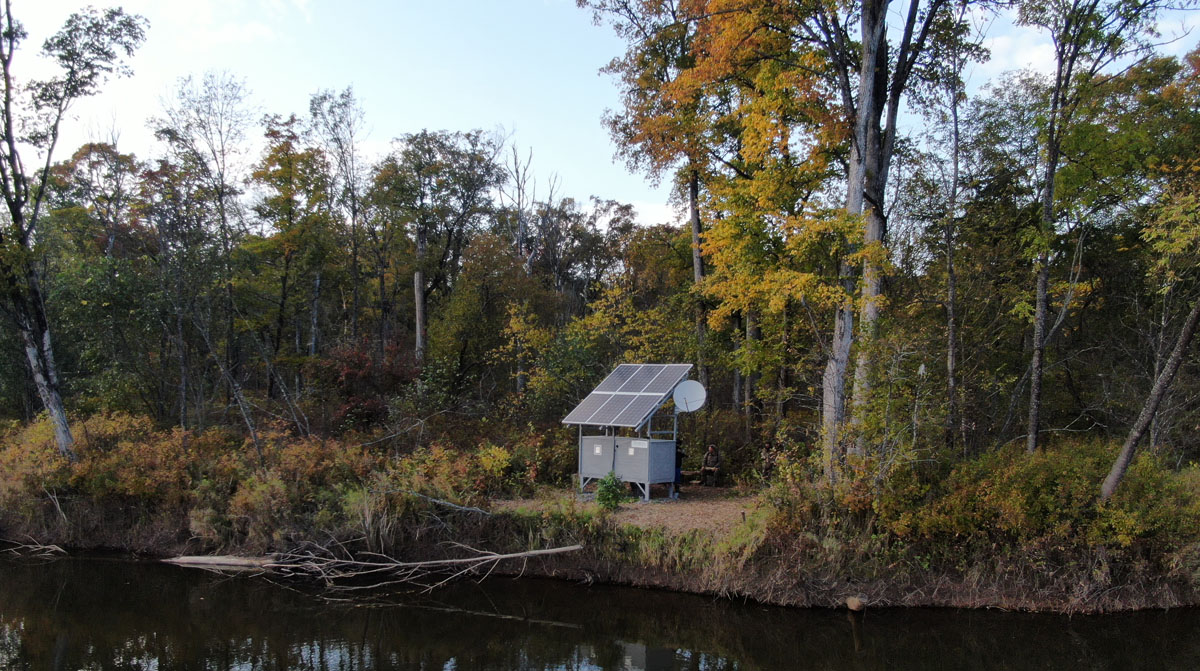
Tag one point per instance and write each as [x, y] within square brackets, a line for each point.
[833, 382]
[1150, 408]
[833, 403]
[39, 353]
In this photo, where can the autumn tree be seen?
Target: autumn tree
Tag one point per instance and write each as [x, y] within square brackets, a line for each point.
[204, 131]
[174, 203]
[101, 277]
[1173, 235]
[1089, 37]
[90, 47]
[338, 122]
[296, 205]
[439, 185]
[866, 68]
[102, 183]
[661, 126]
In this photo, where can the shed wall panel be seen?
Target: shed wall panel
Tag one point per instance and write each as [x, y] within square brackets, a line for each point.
[662, 461]
[597, 456]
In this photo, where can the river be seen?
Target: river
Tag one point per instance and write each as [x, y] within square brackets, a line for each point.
[116, 614]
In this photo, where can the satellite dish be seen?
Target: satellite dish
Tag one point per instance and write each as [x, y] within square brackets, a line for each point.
[689, 395]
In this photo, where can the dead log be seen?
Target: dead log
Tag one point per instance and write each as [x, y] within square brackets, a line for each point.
[225, 563]
[368, 571]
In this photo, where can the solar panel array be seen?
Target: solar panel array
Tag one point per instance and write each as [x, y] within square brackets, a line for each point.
[628, 395]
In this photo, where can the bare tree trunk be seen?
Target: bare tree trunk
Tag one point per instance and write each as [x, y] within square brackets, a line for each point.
[868, 193]
[1064, 62]
[183, 370]
[1161, 385]
[1039, 352]
[753, 334]
[952, 415]
[737, 375]
[419, 298]
[355, 275]
[1160, 358]
[277, 341]
[384, 310]
[697, 270]
[833, 383]
[519, 195]
[867, 327]
[952, 411]
[314, 314]
[297, 374]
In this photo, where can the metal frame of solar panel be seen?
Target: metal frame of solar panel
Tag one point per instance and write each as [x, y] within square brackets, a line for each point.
[629, 395]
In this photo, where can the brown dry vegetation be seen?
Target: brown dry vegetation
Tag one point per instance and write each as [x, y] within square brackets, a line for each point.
[717, 510]
[1004, 529]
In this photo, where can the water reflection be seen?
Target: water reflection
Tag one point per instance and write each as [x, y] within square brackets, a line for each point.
[121, 615]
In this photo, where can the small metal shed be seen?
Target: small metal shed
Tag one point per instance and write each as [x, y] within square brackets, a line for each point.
[629, 398]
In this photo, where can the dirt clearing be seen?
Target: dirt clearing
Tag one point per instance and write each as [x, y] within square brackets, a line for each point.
[718, 509]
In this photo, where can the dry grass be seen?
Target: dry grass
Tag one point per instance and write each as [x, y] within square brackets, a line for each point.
[717, 509]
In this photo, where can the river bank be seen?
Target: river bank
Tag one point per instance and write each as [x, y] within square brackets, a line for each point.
[1002, 530]
[728, 555]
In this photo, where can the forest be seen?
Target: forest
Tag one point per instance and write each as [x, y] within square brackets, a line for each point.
[923, 310]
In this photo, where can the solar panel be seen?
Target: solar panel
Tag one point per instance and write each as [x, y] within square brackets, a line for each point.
[609, 411]
[628, 395]
[666, 380]
[636, 412]
[644, 376]
[586, 408]
[618, 377]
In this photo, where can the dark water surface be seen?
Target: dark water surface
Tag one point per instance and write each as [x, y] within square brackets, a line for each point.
[95, 614]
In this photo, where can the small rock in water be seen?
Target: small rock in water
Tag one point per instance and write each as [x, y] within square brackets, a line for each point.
[855, 603]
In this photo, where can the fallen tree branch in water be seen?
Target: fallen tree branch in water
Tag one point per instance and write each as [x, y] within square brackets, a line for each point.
[223, 563]
[380, 571]
[31, 549]
[370, 571]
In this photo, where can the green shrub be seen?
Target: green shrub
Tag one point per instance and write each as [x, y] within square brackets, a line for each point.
[1047, 503]
[610, 492]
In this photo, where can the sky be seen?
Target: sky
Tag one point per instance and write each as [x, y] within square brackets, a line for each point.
[528, 69]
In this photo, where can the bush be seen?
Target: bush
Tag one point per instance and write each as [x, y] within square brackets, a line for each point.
[1045, 504]
[610, 492]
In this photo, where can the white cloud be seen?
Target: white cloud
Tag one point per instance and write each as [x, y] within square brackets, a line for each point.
[1015, 47]
[650, 213]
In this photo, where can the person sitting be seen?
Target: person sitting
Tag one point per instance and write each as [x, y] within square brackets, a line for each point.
[710, 471]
